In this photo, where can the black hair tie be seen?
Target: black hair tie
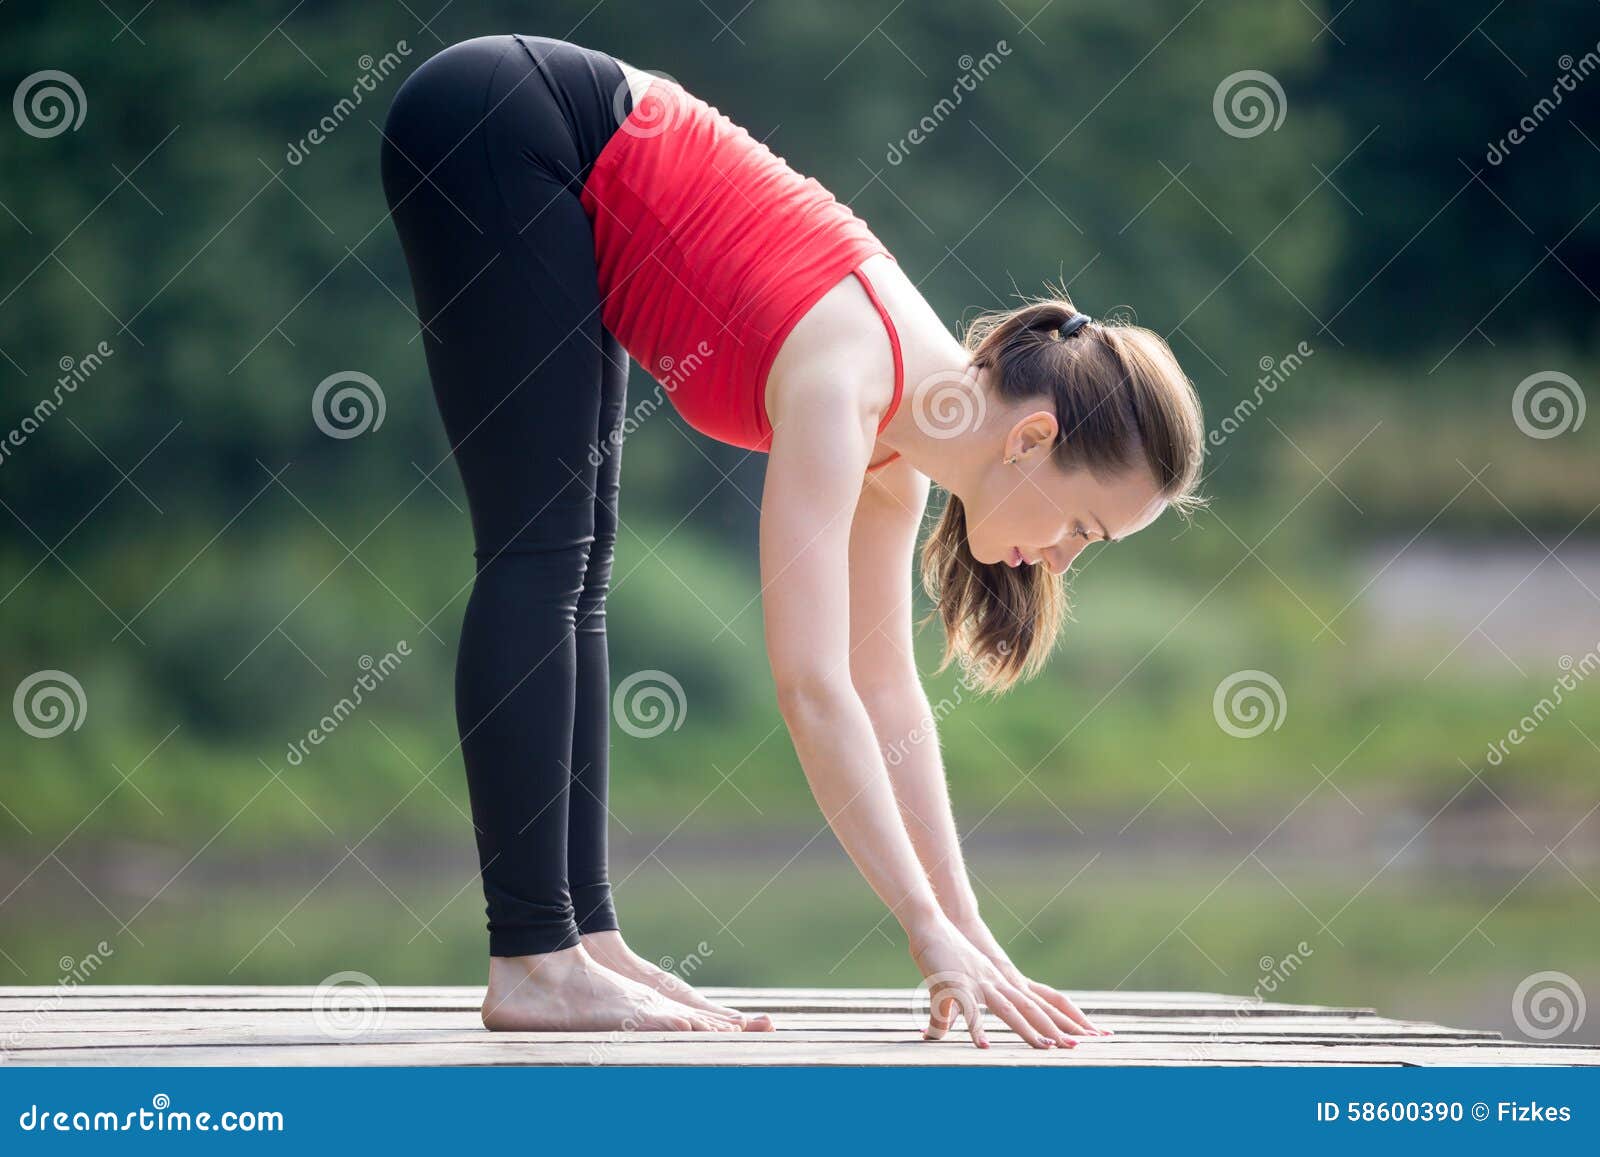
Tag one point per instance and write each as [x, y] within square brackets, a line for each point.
[1072, 325]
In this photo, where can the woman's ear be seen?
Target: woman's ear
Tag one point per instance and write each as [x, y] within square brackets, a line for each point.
[1033, 434]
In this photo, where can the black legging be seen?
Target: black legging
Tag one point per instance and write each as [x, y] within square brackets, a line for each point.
[485, 151]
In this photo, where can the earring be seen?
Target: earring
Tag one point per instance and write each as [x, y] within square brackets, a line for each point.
[1011, 461]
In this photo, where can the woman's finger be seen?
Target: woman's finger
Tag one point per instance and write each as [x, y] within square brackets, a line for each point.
[938, 1017]
[1061, 1001]
[1038, 1014]
[1007, 1012]
[972, 1013]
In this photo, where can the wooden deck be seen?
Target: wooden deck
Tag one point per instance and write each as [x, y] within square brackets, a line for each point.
[439, 1026]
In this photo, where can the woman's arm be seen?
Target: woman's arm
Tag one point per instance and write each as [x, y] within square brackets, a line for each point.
[812, 488]
[883, 670]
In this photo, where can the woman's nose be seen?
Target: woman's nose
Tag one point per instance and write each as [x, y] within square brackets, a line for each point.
[1059, 558]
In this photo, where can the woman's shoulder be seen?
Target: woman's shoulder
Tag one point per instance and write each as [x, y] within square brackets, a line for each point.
[840, 346]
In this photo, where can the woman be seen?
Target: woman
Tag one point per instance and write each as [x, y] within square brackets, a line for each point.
[557, 208]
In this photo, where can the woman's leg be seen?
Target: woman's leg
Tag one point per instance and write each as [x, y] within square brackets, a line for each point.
[503, 268]
[587, 810]
[587, 869]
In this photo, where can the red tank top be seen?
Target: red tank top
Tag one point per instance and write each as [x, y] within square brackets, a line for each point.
[710, 249]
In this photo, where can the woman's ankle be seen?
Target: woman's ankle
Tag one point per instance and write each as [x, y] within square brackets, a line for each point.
[537, 968]
[605, 943]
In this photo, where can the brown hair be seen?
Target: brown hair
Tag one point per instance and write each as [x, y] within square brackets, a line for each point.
[1121, 399]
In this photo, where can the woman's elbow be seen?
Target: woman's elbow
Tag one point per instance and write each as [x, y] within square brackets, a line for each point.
[807, 694]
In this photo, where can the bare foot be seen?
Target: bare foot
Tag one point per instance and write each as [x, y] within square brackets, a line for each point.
[608, 949]
[568, 991]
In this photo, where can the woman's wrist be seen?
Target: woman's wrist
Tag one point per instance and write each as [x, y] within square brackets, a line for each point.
[925, 923]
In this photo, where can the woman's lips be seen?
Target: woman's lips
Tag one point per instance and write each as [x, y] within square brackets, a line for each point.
[1016, 558]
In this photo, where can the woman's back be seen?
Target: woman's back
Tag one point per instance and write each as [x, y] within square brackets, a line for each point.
[711, 249]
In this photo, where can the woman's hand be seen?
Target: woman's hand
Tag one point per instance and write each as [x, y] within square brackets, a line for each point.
[1065, 1014]
[963, 979]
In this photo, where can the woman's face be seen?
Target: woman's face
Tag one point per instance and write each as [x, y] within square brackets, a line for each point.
[1033, 512]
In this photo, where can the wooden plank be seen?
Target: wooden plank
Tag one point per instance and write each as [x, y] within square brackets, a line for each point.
[475, 992]
[94, 1021]
[741, 1050]
[250, 1025]
[1130, 1004]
